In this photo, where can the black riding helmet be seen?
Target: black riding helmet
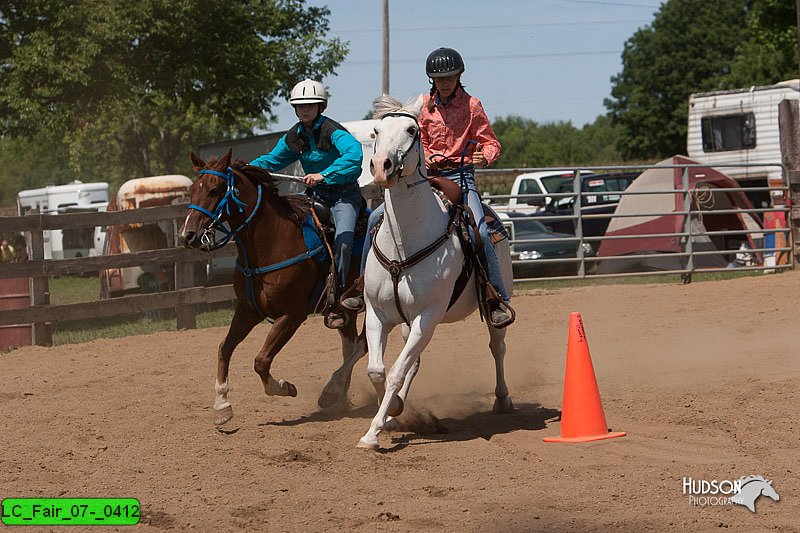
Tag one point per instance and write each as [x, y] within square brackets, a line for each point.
[443, 62]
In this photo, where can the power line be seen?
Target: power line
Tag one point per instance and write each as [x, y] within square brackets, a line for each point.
[500, 26]
[496, 57]
[626, 4]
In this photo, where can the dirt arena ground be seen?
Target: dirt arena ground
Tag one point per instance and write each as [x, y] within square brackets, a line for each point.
[703, 377]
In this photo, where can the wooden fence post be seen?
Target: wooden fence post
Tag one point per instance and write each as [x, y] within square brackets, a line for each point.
[185, 315]
[42, 332]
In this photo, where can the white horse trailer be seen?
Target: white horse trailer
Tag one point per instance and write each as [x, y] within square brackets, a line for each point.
[75, 197]
[740, 127]
[137, 237]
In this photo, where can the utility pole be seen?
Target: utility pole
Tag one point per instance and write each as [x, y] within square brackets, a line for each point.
[386, 46]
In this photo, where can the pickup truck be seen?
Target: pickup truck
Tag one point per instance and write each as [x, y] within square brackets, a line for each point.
[539, 183]
[604, 198]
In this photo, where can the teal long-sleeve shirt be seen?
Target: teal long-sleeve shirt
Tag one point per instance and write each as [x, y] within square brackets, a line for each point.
[340, 165]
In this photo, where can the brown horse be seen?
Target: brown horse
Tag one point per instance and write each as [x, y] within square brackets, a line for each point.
[276, 275]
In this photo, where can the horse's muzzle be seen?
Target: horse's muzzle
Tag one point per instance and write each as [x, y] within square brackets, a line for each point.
[385, 171]
[190, 239]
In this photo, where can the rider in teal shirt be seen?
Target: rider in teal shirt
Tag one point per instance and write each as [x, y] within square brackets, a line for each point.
[331, 158]
[341, 166]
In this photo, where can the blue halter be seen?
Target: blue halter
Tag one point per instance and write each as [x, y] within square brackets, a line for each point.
[224, 208]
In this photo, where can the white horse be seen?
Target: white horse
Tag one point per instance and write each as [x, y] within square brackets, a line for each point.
[414, 222]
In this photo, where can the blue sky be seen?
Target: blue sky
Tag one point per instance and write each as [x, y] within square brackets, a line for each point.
[547, 60]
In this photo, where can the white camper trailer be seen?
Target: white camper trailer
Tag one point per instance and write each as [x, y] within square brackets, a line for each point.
[74, 197]
[137, 237]
[740, 127]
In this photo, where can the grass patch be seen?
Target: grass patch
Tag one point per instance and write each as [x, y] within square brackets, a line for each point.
[697, 277]
[74, 289]
[125, 326]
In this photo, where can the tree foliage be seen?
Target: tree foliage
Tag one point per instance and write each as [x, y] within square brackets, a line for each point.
[129, 87]
[769, 54]
[527, 143]
[688, 48]
[696, 46]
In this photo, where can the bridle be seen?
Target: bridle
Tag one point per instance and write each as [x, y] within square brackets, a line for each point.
[401, 154]
[222, 208]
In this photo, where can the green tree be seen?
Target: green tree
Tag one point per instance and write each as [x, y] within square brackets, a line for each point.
[527, 143]
[688, 48]
[769, 54]
[22, 161]
[130, 87]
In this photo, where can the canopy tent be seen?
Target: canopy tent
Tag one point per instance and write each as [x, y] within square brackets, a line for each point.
[650, 214]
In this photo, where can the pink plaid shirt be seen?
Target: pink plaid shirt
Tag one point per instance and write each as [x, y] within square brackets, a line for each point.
[447, 129]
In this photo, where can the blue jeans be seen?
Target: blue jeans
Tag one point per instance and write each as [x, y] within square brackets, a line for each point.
[344, 202]
[492, 265]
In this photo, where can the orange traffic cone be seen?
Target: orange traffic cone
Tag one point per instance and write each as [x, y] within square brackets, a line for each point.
[582, 417]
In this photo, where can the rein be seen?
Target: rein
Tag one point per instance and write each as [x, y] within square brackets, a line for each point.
[396, 267]
[223, 208]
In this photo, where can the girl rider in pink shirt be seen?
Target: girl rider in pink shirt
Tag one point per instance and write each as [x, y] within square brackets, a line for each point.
[449, 120]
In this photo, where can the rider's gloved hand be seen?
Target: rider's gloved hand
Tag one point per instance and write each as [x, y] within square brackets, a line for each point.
[313, 179]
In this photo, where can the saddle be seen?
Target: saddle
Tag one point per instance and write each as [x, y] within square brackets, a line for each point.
[327, 290]
[326, 219]
[450, 195]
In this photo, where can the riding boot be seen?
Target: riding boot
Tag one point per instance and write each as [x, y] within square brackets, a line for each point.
[334, 317]
[499, 313]
[499, 317]
[355, 301]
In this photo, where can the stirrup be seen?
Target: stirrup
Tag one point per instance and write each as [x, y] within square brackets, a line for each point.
[500, 314]
[334, 317]
[353, 297]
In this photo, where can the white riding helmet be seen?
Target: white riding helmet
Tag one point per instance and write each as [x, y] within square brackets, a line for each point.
[309, 92]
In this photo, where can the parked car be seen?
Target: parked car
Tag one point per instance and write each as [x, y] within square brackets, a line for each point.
[526, 256]
[538, 183]
[603, 200]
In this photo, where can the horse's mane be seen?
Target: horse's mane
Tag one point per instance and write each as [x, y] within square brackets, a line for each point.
[292, 207]
[385, 104]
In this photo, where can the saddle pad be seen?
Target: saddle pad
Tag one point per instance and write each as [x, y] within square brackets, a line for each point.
[313, 240]
[497, 231]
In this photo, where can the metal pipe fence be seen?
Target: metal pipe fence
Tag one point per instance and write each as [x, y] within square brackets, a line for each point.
[574, 208]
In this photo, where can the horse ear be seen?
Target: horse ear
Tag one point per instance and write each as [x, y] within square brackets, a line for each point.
[197, 163]
[416, 106]
[226, 159]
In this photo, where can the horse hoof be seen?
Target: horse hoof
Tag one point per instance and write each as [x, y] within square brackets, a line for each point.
[223, 415]
[503, 405]
[365, 444]
[391, 425]
[289, 389]
[396, 406]
[327, 399]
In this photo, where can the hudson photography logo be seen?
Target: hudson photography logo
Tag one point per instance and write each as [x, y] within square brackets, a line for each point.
[743, 491]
